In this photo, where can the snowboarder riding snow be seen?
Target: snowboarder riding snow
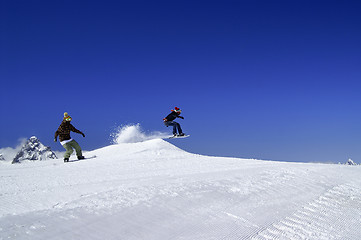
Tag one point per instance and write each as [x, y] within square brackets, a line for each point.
[65, 140]
[168, 121]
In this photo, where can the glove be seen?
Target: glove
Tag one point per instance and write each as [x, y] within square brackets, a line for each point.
[83, 134]
[55, 140]
[181, 117]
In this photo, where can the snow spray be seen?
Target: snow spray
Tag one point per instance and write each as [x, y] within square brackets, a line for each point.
[133, 133]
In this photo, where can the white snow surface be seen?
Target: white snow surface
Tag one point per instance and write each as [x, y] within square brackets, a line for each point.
[154, 190]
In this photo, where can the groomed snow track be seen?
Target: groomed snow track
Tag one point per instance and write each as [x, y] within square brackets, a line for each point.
[153, 190]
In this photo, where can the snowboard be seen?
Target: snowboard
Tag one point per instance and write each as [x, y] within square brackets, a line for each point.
[86, 158]
[185, 136]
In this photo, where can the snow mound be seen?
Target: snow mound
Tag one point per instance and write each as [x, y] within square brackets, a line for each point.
[151, 189]
[147, 149]
[133, 134]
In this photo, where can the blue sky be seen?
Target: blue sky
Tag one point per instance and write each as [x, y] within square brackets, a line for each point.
[276, 80]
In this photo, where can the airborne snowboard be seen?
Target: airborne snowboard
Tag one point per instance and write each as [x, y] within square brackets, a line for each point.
[171, 137]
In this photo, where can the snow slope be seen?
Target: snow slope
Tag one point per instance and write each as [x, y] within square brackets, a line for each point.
[154, 190]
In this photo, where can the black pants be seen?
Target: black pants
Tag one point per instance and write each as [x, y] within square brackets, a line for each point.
[176, 126]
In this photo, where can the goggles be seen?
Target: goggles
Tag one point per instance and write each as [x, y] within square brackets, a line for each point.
[68, 118]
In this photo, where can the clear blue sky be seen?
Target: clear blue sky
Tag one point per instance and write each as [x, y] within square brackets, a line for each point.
[277, 80]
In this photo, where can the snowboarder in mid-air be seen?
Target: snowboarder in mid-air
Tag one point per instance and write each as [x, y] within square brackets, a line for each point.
[169, 121]
[65, 140]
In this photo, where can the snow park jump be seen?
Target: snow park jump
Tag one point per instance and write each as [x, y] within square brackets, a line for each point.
[142, 187]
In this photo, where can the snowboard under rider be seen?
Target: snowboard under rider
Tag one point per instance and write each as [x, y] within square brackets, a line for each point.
[65, 140]
[169, 121]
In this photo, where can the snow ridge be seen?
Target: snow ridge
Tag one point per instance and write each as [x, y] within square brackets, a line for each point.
[153, 190]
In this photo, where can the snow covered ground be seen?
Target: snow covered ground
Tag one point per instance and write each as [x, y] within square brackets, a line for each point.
[154, 190]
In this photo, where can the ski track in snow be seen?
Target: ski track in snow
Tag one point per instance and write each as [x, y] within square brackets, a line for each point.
[331, 216]
[153, 190]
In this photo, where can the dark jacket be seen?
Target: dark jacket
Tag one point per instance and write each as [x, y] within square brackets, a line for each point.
[64, 131]
[173, 115]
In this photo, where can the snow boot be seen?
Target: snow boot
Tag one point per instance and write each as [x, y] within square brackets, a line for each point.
[66, 159]
[181, 134]
[81, 157]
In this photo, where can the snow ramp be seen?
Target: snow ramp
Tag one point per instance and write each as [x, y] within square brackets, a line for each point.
[151, 189]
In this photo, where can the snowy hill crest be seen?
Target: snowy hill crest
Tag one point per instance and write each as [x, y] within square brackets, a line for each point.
[159, 191]
[33, 150]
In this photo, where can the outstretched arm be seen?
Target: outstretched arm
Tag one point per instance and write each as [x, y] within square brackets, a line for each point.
[72, 128]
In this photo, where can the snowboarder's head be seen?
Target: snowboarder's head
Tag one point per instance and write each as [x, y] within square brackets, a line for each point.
[177, 110]
[66, 118]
